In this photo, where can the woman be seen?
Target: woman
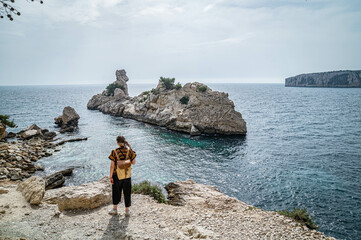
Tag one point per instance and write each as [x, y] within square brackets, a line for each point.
[120, 174]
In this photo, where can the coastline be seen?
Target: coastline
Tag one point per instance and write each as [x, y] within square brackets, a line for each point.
[207, 213]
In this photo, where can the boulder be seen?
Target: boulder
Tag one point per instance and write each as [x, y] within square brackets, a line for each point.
[85, 196]
[11, 135]
[33, 189]
[49, 135]
[57, 179]
[188, 192]
[31, 133]
[68, 121]
[54, 180]
[194, 109]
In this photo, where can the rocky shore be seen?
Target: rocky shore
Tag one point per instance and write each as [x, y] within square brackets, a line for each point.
[195, 211]
[326, 79]
[193, 108]
[20, 151]
[18, 158]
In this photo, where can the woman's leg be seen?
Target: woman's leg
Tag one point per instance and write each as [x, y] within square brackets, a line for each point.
[127, 189]
[116, 191]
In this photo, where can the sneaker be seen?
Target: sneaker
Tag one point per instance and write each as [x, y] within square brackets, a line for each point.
[113, 211]
[127, 213]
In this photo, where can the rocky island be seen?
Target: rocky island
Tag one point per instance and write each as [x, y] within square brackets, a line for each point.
[326, 79]
[193, 108]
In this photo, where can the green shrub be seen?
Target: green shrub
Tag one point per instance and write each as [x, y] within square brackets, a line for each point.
[178, 86]
[146, 93]
[146, 188]
[184, 100]
[4, 120]
[301, 216]
[168, 83]
[155, 91]
[202, 88]
[143, 99]
[111, 87]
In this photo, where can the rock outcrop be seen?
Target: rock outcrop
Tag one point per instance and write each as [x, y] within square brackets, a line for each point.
[57, 179]
[86, 196]
[193, 108]
[188, 192]
[33, 189]
[149, 219]
[68, 121]
[326, 79]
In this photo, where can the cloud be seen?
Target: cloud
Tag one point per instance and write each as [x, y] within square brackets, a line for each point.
[252, 39]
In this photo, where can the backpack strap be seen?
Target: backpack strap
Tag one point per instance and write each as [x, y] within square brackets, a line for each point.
[116, 154]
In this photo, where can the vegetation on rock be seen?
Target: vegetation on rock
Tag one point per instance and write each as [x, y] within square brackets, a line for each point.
[111, 87]
[155, 91]
[168, 83]
[146, 188]
[301, 216]
[202, 88]
[184, 100]
[178, 86]
[4, 120]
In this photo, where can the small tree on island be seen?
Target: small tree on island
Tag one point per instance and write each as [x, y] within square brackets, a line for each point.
[168, 83]
[5, 122]
[111, 88]
[8, 10]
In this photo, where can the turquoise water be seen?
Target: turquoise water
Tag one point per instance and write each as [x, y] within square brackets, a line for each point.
[303, 147]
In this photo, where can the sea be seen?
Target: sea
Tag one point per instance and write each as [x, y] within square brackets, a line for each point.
[302, 148]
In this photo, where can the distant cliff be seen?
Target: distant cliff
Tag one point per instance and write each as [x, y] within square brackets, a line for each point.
[326, 79]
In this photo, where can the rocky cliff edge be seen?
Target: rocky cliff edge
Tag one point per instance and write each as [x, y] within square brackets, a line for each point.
[199, 212]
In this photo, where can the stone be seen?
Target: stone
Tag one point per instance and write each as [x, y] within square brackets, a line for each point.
[57, 179]
[31, 133]
[2, 130]
[3, 190]
[33, 189]
[4, 146]
[195, 109]
[68, 121]
[11, 135]
[326, 79]
[194, 131]
[188, 192]
[49, 135]
[197, 232]
[70, 116]
[85, 196]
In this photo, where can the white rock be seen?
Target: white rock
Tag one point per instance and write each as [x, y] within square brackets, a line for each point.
[33, 189]
[86, 196]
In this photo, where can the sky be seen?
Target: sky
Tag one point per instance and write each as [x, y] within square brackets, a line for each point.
[255, 41]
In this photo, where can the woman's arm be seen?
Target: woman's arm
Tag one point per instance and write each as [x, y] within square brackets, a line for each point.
[112, 164]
